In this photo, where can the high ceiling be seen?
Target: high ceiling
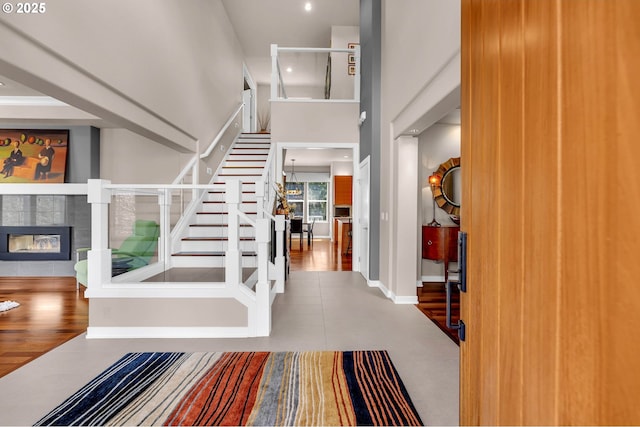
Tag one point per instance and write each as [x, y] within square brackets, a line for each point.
[260, 23]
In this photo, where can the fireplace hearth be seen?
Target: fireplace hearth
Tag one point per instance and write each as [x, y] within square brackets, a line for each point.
[35, 243]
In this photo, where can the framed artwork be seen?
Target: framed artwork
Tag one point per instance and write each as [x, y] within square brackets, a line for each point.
[33, 155]
[351, 60]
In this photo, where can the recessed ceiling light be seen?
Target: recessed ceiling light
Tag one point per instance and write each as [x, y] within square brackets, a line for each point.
[289, 69]
[1, 84]
[346, 157]
[307, 6]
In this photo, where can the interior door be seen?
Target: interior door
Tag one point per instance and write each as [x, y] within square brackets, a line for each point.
[551, 190]
[364, 191]
[246, 112]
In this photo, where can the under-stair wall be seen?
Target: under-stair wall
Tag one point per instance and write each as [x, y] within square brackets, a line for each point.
[126, 306]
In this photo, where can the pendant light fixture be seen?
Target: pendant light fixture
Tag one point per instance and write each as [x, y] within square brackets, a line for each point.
[293, 191]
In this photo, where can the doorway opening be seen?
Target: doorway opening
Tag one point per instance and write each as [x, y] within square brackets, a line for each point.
[324, 194]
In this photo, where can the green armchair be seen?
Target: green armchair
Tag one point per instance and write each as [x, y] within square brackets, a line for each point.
[136, 251]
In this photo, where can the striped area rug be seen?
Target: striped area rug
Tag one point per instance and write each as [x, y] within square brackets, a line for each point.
[242, 388]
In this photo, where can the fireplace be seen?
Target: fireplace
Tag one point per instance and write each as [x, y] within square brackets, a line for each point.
[35, 243]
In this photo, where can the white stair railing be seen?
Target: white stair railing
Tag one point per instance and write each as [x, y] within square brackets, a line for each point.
[278, 89]
[192, 168]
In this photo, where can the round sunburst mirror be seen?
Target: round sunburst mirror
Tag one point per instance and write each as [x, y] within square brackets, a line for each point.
[448, 193]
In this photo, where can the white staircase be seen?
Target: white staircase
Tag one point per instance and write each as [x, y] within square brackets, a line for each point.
[205, 240]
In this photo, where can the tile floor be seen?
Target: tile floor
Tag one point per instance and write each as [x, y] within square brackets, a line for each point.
[318, 311]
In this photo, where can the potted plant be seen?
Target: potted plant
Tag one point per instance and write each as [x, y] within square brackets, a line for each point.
[264, 118]
[283, 207]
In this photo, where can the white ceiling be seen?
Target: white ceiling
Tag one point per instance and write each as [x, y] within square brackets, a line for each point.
[260, 23]
[317, 156]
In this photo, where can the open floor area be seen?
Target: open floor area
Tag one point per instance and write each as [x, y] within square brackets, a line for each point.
[319, 311]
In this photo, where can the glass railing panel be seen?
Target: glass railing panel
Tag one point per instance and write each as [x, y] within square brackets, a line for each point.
[134, 230]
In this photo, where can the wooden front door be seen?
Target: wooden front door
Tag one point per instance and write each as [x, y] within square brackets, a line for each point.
[551, 194]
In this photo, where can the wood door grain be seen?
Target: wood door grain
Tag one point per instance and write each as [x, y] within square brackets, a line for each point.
[550, 121]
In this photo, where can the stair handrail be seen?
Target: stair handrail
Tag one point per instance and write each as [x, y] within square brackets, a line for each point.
[185, 170]
[218, 137]
[193, 167]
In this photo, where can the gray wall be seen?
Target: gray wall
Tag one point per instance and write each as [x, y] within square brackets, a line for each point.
[370, 45]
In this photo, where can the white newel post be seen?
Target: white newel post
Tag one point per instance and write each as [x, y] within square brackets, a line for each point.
[280, 259]
[274, 72]
[99, 257]
[164, 240]
[260, 198]
[263, 291]
[233, 256]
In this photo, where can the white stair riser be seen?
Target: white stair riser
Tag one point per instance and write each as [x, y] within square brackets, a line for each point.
[258, 158]
[222, 207]
[248, 173]
[261, 139]
[238, 163]
[219, 197]
[209, 261]
[219, 232]
[217, 218]
[252, 144]
[250, 150]
[209, 245]
[245, 186]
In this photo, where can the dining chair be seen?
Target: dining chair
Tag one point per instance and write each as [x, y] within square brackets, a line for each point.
[309, 231]
[296, 228]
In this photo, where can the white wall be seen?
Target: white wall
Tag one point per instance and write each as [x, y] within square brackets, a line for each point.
[321, 122]
[341, 168]
[341, 82]
[128, 158]
[436, 145]
[150, 66]
[416, 78]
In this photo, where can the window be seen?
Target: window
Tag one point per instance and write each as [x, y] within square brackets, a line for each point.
[317, 201]
[308, 200]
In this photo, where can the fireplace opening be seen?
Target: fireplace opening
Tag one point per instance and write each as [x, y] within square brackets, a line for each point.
[35, 243]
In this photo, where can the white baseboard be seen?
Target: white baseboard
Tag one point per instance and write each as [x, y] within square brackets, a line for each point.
[418, 284]
[108, 332]
[432, 278]
[409, 299]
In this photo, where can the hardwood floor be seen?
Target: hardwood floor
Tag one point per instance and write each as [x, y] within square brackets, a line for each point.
[321, 256]
[432, 302]
[51, 312]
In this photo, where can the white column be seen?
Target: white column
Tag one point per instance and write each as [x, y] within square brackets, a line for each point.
[99, 257]
[164, 240]
[260, 198]
[274, 72]
[280, 258]
[356, 80]
[263, 288]
[233, 256]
